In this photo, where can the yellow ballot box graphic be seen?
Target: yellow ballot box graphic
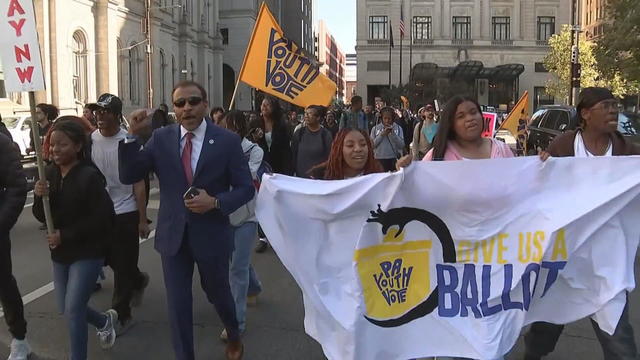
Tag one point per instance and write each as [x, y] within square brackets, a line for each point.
[395, 270]
[395, 276]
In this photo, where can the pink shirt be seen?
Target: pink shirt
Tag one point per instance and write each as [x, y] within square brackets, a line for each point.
[498, 150]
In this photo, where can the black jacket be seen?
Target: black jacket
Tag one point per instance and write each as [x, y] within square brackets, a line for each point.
[279, 156]
[13, 186]
[82, 211]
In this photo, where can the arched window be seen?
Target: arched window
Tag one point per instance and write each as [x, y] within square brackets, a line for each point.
[134, 75]
[174, 71]
[163, 80]
[80, 85]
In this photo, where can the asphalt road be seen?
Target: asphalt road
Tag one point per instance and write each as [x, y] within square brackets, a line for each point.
[275, 327]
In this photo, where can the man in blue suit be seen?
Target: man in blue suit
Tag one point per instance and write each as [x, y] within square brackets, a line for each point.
[193, 153]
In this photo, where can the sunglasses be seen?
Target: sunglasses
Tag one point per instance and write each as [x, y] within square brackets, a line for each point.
[192, 100]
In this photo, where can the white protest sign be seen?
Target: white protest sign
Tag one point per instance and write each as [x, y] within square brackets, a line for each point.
[454, 258]
[19, 47]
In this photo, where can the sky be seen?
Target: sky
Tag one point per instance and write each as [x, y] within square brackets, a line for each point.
[340, 17]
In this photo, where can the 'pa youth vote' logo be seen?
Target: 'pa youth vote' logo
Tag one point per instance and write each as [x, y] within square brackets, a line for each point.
[396, 275]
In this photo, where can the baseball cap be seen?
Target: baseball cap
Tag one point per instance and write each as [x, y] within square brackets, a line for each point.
[109, 102]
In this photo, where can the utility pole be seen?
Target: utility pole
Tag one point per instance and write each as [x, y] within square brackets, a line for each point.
[575, 56]
[147, 32]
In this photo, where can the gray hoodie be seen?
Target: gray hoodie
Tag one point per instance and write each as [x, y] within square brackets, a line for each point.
[387, 146]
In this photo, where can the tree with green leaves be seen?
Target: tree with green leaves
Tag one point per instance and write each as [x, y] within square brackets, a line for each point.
[618, 50]
[558, 62]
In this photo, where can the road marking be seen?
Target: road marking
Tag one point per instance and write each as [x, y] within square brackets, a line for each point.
[44, 290]
[153, 191]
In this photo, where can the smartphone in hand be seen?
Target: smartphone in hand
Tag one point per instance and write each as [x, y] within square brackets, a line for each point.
[191, 193]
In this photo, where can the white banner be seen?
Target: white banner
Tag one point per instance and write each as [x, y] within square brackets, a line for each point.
[19, 47]
[454, 258]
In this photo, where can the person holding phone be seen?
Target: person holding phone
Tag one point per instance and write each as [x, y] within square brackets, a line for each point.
[388, 140]
[193, 224]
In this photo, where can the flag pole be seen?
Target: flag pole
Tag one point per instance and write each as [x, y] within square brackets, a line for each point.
[35, 130]
[390, 46]
[410, 49]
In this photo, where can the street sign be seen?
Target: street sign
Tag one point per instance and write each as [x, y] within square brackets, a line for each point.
[19, 47]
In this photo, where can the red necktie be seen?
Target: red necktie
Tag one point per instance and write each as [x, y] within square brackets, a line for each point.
[186, 157]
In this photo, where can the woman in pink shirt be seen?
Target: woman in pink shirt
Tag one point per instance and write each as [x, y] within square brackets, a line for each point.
[459, 136]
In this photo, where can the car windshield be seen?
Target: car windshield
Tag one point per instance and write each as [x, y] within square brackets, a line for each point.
[10, 122]
[629, 124]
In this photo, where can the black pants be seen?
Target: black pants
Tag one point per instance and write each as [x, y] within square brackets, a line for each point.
[9, 294]
[388, 164]
[122, 257]
[542, 338]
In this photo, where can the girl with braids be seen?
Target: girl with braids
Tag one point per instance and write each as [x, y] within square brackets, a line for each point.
[351, 156]
[459, 135]
[83, 218]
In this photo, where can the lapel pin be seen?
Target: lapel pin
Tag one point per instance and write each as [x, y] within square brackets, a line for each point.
[211, 141]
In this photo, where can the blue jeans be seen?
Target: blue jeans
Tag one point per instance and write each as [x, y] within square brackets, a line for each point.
[74, 284]
[241, 274]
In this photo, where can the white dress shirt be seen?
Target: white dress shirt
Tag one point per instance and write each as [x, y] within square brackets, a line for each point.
[196, 142]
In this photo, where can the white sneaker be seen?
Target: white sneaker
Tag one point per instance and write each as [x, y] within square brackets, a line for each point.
[20, 350]
[107, 335]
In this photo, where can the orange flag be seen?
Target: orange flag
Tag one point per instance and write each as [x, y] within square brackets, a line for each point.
[277, 66]
[516, 121]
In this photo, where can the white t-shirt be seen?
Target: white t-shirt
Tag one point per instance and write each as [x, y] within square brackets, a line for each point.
[580, 150]
[104, 154]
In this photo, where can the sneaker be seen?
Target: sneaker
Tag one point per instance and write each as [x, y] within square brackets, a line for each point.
[123, 326]
[252, 300]
[20, 350]
[107, 335]
[262, 246]
[138, 294]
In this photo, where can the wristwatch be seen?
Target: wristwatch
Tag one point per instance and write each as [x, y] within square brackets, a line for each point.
[216, 204]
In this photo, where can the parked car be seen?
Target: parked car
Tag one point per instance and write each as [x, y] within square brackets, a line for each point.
[19, 126]
[550, 121]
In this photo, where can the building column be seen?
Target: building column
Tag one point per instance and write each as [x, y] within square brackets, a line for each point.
[517, 24]
[486, 20]
[53, 53]
[102, 46]
[477, 26]
[446, 20]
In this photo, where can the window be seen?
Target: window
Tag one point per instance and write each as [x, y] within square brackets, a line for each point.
[377, 65]
[501, 27]
[541, 97]
[378, 27]
[539, 68]
[224, 32]
[462, 27]
[79, 67]
[134, 75]
[546, 27]
[422, 27]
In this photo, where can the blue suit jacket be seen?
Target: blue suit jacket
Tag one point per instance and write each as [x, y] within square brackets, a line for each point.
[222, 171]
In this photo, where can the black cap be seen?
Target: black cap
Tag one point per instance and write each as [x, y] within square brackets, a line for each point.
[109, 102]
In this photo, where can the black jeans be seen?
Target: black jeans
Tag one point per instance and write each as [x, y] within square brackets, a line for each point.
[542, 338]
[122, 257]
[9, 294]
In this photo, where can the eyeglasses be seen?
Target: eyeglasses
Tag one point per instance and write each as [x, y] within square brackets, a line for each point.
[192, 100]
[607, 105]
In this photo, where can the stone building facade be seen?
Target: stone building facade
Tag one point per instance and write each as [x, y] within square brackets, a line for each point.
[491, 50]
